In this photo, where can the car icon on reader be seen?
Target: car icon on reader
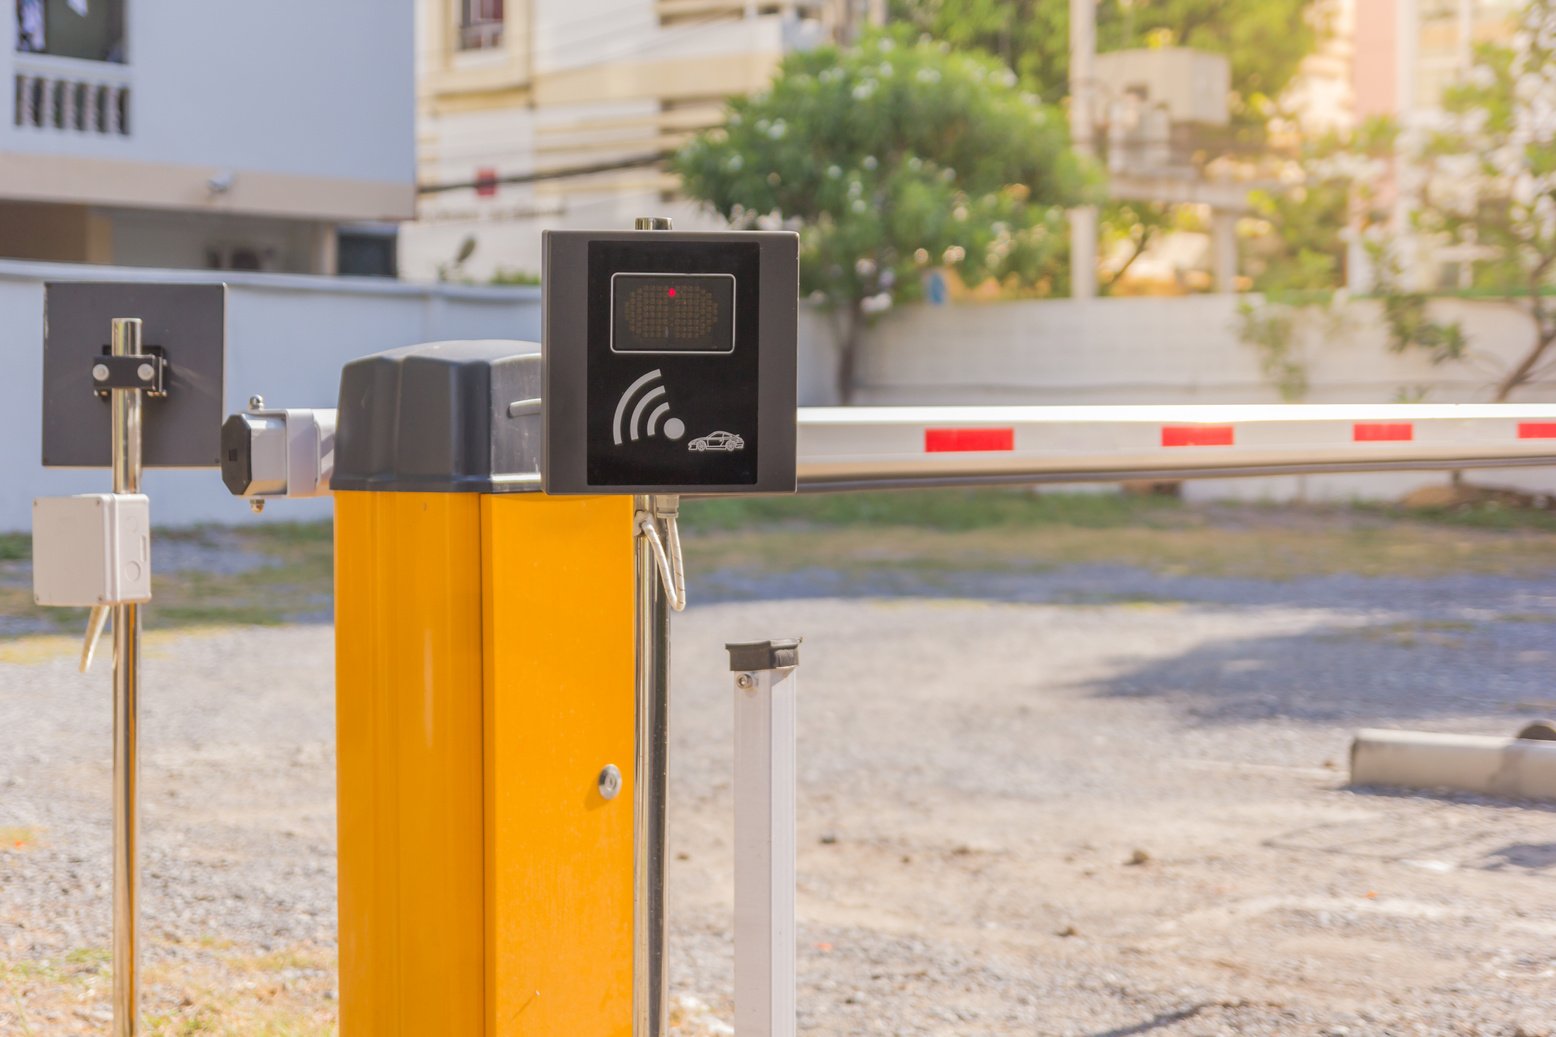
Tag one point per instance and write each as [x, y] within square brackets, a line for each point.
[717, 441]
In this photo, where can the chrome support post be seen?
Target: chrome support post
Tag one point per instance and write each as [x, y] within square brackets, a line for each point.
[126, 419]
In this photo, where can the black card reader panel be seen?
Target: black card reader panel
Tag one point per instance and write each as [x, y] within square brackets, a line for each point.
[670, 361]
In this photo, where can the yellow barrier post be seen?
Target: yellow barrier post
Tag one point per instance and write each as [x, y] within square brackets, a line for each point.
[484, 684]
[501, 653]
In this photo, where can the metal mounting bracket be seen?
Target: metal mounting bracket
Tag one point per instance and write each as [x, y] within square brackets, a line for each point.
[148, 373]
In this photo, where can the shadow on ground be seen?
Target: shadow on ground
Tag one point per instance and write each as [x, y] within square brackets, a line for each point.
[1428, 656]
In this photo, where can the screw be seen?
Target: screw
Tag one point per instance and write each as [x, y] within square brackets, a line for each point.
[609, 781]
[746, 681]
[256, 402]
[99, 372]
[145, 372]
[256, 504]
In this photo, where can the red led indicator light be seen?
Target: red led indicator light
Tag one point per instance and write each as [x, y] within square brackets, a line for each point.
[672, 293]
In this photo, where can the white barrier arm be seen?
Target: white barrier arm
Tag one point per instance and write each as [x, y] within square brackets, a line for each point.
[864, 447]
[855, 448]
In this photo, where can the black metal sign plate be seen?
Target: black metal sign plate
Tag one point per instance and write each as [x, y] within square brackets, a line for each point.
[187, 322]
[670, 362]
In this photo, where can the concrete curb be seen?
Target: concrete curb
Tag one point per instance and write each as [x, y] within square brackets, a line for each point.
[1511, 768]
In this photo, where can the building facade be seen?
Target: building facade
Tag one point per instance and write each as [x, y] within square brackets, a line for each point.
[182, 133]
[535, 114]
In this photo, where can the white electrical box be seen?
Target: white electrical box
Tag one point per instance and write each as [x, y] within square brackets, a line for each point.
[91, 549]
[1191, 85]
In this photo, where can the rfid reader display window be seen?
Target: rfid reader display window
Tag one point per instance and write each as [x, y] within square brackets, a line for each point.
[673, 313]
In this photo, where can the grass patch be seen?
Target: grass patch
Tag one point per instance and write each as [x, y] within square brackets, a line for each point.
[1490, 515]
[935, 536]
[18, 837]
[295, 581]
[1440, 633]
[15, 547]
[944, 510]
[216, 993]
[90, 957]
[943, 531]
[308, 538]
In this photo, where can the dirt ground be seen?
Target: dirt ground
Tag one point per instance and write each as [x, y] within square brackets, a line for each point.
[1090, 799]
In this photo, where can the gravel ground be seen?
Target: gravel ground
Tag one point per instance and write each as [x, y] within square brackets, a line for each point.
[1088, 801]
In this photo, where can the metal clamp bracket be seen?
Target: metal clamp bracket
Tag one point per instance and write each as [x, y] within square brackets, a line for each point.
[147, 372]
[672, 570]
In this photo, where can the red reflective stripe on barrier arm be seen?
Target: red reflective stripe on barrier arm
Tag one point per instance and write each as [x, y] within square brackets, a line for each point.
[1197, 435]
[1537, 430]
[1383, 432]
[964, 440]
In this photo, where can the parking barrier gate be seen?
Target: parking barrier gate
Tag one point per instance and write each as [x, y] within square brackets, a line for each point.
[502, 653]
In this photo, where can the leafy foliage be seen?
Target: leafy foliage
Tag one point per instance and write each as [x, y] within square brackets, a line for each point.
[890, 158]
[1411, 327]
[1486, 176]
[1271, 330]
[1134, 225]
[1264, 40]
[1301, 244]
[1304, 248]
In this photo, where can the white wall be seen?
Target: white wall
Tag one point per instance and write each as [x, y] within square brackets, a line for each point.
[1169, 350]
[283, 86]
[287, 338]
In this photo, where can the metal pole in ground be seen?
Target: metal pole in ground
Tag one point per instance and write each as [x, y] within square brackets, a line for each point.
[650, 981]
[765, 692]
[126, 419]
[650, 1008]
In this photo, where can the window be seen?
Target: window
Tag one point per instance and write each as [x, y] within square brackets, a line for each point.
[365, 251]
[480, 24]
[89, 29]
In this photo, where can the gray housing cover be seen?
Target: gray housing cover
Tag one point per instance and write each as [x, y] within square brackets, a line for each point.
[450, 417]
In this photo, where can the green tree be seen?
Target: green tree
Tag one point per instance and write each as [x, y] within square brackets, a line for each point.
[891, 158]
[1300, 241]
[1487, 174]
[1302, 248]
[1264, 41]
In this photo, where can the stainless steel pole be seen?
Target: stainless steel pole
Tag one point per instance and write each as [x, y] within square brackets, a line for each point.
[126, 417]
[650, 790]
[650, 1007]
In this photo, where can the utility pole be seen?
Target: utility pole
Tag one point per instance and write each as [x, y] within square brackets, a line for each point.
[1083, 84]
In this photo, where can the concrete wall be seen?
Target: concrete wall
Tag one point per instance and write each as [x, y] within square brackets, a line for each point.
[287, 338]
[1181, 350]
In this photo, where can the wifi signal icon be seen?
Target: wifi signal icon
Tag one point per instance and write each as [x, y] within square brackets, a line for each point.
[650, 399]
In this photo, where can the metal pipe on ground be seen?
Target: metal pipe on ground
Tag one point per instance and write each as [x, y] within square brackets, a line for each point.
[1510, 768]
